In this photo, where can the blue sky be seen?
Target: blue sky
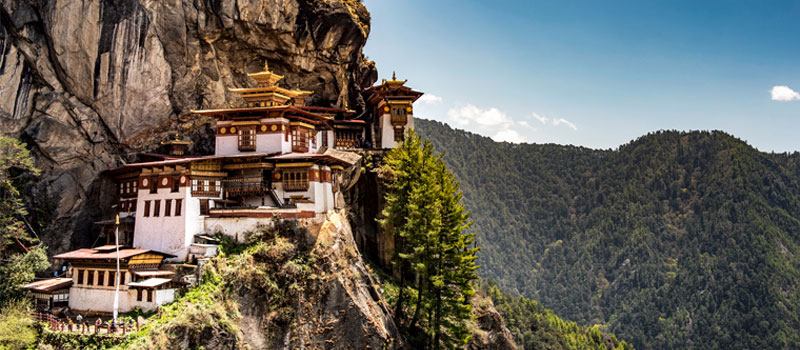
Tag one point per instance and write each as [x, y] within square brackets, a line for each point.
[597, 73]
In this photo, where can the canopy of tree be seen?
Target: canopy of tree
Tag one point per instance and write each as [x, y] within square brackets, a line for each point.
[674, 240]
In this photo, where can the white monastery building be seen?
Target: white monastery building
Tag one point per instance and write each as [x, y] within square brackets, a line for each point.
[274, 156]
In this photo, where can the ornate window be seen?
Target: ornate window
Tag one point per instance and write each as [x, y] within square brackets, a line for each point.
[399, 134]
[300, 138]
[247, 138]
[295, 180]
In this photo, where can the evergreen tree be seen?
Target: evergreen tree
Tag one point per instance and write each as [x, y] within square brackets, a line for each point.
[20, 256]
[428, 221]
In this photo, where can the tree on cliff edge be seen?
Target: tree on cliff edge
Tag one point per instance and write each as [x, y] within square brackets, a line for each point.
[434, 254]
[21, 257]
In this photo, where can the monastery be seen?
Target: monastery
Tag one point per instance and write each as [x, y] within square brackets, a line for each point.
[274, 156]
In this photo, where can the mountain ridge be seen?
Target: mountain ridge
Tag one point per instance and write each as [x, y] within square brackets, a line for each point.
[673, 240]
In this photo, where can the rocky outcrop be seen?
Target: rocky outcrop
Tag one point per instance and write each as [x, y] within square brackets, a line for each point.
[87, 83]
[490, 332]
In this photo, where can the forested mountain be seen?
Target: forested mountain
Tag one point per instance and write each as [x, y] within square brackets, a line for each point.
[674, 241]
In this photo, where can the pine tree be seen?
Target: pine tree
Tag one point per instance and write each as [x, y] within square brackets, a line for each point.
[425, 214]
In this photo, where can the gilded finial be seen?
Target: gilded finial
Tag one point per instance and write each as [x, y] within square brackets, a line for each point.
[176, 137]
[266, 66]
[394, 76]
[117, 221]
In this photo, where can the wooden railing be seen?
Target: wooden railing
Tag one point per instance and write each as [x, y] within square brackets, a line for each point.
[245, 185]
[295, 185]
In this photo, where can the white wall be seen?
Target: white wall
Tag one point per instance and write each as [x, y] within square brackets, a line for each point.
[387, 129]
[163, 233]
[227, 145]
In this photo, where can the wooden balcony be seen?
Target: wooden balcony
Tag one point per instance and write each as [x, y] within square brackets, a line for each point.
[399, 119]
[237, 186]
[295, 185]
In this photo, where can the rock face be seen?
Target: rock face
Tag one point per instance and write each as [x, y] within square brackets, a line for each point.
[491, 333]
[88, 83]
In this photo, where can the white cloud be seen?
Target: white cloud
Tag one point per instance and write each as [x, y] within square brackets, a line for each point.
[509, 135]
[470, 114]
[554, 121]
[540, 118]
[486, 121]
[783, 93]
[430, 99]
[558, 121]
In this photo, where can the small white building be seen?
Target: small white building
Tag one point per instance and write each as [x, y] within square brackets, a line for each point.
[142, 284]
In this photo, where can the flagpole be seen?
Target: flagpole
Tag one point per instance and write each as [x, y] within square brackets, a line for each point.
[116, 275]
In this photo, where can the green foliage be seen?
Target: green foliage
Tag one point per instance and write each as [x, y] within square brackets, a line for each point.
[16, 326]
[425, 215]
[20, 258]
[535, 327]
[270, 269]
[675, 240]
[19, 269]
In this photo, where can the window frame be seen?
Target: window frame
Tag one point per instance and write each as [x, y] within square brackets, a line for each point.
[156, 208]
[295, 180]
[246, 138]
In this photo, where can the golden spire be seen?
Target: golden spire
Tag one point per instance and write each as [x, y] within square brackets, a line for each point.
[266, 66]
[394, 76]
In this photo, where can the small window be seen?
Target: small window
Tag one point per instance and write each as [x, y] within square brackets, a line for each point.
[325, 138]
[399, 134]
[247, 138]
[204, 207]
[167, 207]
[122, 277]
[80, 276]
[178, 207]
[146, 208]
[138, 294]
[194, 185]
[156, 208]
[101, 278]
[90, 277]
[149, 295]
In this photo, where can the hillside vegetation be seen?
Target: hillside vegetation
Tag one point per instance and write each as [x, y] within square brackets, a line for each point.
[674, 240]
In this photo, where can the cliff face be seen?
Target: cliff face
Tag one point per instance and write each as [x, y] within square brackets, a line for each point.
[87, 83]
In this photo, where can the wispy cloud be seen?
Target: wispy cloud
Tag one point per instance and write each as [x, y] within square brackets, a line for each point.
[553, 121]
[486, 121]
[783, 93]
[568, 123]
[430, 99]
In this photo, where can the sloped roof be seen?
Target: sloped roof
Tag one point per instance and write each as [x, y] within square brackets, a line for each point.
[99, 254]
[49, 285]
[150, 283]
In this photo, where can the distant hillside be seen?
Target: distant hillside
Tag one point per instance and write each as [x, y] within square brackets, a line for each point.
[675, 240]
